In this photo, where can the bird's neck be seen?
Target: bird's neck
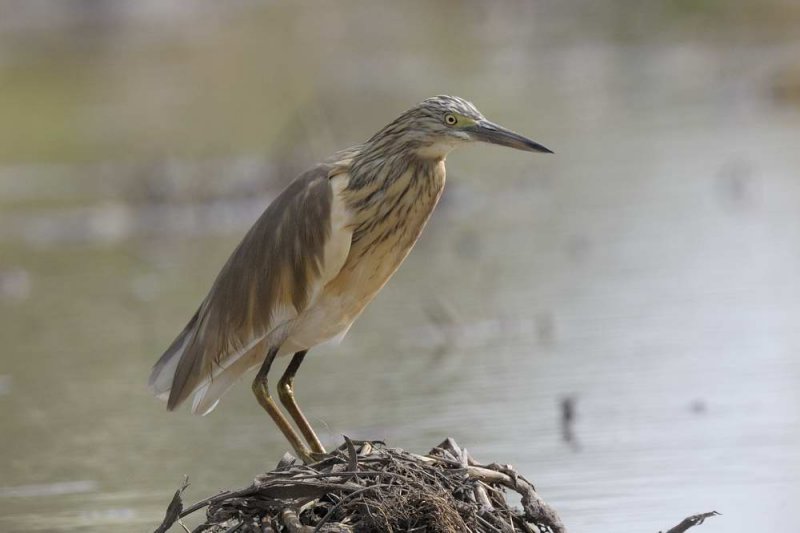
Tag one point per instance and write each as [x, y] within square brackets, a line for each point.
[404, 189]
[371, 166]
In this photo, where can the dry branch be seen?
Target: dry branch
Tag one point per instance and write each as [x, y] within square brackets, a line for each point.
[366, 487]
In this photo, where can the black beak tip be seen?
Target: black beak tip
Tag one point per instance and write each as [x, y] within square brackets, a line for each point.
[539, 148]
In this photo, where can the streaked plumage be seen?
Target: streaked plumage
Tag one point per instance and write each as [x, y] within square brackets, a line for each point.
[320, 252]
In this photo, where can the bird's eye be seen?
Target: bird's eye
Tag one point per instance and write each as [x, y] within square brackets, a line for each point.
[450, 120]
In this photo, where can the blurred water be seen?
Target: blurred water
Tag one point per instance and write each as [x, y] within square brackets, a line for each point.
[647, 271]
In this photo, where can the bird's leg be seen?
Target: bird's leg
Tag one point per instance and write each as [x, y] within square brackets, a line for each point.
[261, 390]
[286, 394]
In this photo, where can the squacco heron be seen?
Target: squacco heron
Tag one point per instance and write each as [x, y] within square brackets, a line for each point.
[316, 257]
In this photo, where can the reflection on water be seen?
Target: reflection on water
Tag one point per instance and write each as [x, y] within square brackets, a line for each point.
[643, 279]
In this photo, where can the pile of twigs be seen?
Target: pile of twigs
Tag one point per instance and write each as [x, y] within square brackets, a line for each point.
[365, 487]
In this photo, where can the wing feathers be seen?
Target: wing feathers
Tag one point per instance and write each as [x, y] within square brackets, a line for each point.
[274, 269]
[164, 370]
[207, 396]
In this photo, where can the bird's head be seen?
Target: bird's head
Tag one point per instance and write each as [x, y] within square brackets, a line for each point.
[438, 124]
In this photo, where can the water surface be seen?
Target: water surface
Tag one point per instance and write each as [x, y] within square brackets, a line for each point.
[647, 271]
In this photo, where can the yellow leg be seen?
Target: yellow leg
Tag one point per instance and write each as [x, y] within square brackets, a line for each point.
[286, 394]
[261, 390]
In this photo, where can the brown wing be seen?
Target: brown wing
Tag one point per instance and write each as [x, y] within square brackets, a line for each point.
[271, 271]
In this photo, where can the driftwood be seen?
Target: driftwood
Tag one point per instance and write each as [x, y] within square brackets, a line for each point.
[366, 487]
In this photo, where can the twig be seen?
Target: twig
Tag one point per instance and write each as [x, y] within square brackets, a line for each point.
[293, 523]
[691, 521]
[173, 509]
[341, 502]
